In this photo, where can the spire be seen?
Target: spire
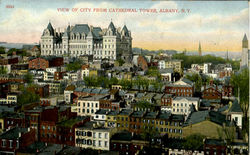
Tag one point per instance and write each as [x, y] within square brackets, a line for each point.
[245, 42]
[50, 28]
[111, 26]
[227, 55]
[199, 50]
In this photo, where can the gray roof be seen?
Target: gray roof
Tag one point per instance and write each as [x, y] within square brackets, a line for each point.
[81, 28]
[102, 111]
[13, 133]
[235, 107]
[125, 112]
[111, 26]
[164, 115]
[137, 114]
[187, 98]
[96, 31]
[200, 116]
[166, 70]
[151, 115]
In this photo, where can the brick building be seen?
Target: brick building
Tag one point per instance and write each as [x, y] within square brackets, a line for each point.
[45, 62]
[142, 62]
[183, 87]
[16, 139]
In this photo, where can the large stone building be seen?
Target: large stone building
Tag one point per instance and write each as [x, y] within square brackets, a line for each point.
[111, 43]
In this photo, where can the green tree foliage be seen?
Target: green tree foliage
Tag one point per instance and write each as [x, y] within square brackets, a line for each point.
[100, 81]
[145, 105]
[153, 71]
[76, 65]
[28, 78]
[2, 50]
[227, 134]
[196, 78]
[195, 59]
[149, 132]
[194, 142]
[3, 70]
[240, 82]
[27, 97]
[121, 62]
[126, 84]
[21, 52]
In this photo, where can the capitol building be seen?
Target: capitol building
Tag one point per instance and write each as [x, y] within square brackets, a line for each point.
[81, 39]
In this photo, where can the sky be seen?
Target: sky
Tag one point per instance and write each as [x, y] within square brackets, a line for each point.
[217, 25]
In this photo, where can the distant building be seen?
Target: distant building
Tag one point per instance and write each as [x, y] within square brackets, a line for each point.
[244, 53]
[199, 50]
[111, 43]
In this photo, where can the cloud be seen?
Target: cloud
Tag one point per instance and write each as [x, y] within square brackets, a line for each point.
[148, 29]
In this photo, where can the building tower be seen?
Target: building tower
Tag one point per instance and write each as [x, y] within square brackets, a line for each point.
[244, 53]
[199, 50]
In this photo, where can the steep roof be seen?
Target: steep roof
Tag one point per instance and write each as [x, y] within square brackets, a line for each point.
[81, 28]
[111, 26]
[50, 28]
[235, 107]
[97, 32]
[245, 37]
[200, 116]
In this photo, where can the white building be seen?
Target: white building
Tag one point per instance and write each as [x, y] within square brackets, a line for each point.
[87, 106]
[93, 135]
[111, 43]
[10, 99]
[182, 105]
[161, 64]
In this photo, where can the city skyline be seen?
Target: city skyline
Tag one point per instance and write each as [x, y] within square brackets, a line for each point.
[219, 27]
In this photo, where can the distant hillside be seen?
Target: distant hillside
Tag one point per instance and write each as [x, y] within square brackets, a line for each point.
[136, 50]
[13, 45]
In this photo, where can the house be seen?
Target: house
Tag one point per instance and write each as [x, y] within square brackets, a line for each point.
[233, 112]
[45, 62]
[93, 135]
[206, 123]
[89, 105]
[142, 62]
[69, 94]
[183, 87]
[167, 74]
[15, 139]
[211, 92]
[175, 64]
[182, 105]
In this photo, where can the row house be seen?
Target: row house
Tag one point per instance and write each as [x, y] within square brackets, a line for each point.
[211, 92]
[11, 120]
[138, 121]
[45, 62]
[93, 135]
[87, 106]
[41, 90]
[10, 99]
[15, 139]
[127, 143]
[183, 87]
[166, 102]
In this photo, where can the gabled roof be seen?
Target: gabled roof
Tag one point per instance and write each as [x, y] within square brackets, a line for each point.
[50, 28]
[97, 32]
[235, 107]
[200, 116]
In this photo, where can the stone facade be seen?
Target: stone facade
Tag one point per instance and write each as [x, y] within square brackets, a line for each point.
[111, 43]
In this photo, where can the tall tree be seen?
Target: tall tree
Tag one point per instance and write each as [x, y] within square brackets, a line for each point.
[240, 82]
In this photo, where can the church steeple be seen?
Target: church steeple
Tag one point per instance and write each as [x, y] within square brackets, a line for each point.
[50, 28]
[245, 42]
[199, 50]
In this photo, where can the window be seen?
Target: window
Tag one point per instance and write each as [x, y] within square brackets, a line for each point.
[99, 143]
[106, 135]
[11, 143]
[3, 143]
[94, 134]
[100, 135]
[106, 144]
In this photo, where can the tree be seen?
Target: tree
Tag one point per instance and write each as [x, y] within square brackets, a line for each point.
[3, 70]
[196, 78]
[240, 82]
[28, 78]
[121, 62]
[76, 65]
[227, 134]
[2, 50]
[27, 97]
[145, 105]
[194, 142]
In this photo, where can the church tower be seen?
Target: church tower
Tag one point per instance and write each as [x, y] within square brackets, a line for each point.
[244, 53]
[199, 50]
